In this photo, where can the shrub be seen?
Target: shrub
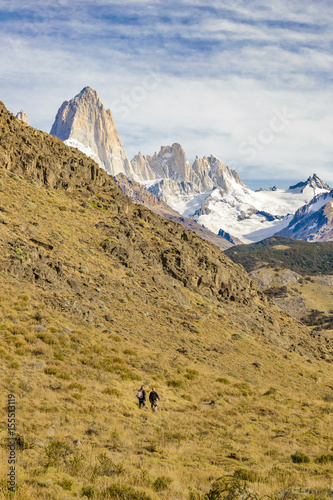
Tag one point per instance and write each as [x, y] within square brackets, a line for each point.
[106, 467]
[246, 475]
[191, 374]
[112, 391]
[223, 380]
[89, 492]
[124, 493]
[56, 453]
[174, 383]
[76, 385]
[46, 337]
[53, 370]
[324, 459]
[66, 484]
[300, 458]
[162, 483]
[230, 488]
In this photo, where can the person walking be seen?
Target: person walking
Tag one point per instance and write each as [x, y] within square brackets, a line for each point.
[153, 399]
[141, 395]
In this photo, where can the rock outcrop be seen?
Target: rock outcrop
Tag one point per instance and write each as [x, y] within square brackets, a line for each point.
[84, 123]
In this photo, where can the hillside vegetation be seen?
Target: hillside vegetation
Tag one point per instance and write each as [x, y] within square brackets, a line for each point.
[297, 275]
[300, 256]
[99, 295]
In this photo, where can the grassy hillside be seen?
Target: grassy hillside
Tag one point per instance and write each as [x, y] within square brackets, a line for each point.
[299, 256]
[98, 296]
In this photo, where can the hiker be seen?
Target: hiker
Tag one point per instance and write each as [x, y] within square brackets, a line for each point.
[153, 398]
[141, 395]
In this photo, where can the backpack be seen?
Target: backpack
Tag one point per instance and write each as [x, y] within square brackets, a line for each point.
[139, 394]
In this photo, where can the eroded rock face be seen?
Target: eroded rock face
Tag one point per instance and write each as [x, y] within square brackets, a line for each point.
[84, 123]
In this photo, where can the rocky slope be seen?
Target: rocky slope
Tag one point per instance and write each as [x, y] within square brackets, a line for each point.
[181, 254]
[99, 295]
[84, 123]
[313, 221]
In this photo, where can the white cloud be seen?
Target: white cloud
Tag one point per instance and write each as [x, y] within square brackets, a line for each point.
[221, 73]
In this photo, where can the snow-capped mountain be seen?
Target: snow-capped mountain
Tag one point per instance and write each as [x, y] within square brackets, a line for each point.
[174, 179]
[22, 115]
[139, 194]
[214, 196]
[207, 190]
[313, 221]
[253, 215]
[85, 124]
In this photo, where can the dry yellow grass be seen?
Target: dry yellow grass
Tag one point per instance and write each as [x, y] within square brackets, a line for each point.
[75, 368]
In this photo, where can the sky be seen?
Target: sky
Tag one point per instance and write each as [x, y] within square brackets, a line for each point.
[249, 81]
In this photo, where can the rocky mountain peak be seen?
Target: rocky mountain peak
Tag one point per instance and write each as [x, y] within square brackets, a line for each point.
[88, 92]
[84, 123]
[312, 182]
[315, 181]
[22, 115]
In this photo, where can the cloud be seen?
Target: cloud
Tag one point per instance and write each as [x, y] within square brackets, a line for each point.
[202, 73]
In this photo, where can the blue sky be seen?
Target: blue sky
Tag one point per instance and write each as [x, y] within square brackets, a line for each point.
[248, 81]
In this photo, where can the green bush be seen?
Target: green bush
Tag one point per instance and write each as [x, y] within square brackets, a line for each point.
[122, 492]
[230, 488]
[53, 370]
[89, 492]
[66, 484]
[174, 383]
[246, 475]
[162, 483]
[223, 380]
[106, 467]
[300, 458]
[324, 459]
[56, 453]
[191, 374]
[113, 391]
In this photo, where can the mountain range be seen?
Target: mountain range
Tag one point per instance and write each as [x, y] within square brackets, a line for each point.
[206, 191]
